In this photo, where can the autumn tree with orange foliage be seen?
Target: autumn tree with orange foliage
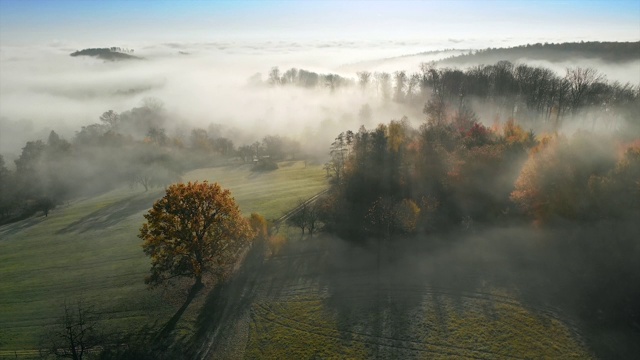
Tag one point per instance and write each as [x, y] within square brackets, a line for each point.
[259, 226]
[557, 181]
[196, 228]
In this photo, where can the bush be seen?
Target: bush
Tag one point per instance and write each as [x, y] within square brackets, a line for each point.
[276, 242]
[265, 165]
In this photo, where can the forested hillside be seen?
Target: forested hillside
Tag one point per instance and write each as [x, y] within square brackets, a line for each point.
[616, 52]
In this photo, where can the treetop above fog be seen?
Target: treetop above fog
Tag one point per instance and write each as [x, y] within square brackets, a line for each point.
[109, 54]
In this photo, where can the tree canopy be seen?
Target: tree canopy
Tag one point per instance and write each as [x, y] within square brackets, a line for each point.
[195, 228]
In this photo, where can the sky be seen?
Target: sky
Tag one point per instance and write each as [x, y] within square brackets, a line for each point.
[119, 22]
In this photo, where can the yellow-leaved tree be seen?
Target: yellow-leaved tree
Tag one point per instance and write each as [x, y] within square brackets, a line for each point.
[196, 228]
[559, 177]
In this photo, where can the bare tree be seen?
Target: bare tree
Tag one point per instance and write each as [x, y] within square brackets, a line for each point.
[306, 217]
[299, 217]
[111, 119]
[400, 78]
[383, 81]
[290, 76]
[364, 78]
[274, 76]
[312, 217]
[75, 334]
[412, 85]
[332, 81]
[580, 80]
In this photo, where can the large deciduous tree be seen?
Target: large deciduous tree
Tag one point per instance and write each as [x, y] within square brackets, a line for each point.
[194, 229]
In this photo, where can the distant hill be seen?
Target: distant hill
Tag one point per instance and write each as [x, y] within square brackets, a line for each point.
[614, 52]
[407, 61]
[109, 54]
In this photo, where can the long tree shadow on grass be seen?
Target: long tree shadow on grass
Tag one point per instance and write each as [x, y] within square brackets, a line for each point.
[112, 214]
[171, 324]
[21, 225]
[372, 299]
[226, 304]
[376, 303]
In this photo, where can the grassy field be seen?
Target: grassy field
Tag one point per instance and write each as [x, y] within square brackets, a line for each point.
[270, 194]
[88, 250]
[318, 297]
[322, 298]
[442, 326]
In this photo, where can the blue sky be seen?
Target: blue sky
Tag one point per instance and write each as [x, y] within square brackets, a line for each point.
[114, 21]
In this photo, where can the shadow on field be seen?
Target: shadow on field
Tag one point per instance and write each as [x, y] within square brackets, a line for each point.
[226, 304]
[373, 296]
[171, 324]
[16, 227]
[463, 281]
[112, 214]
[375, 293]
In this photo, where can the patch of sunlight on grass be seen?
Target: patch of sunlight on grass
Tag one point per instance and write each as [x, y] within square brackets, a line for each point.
[270, 193]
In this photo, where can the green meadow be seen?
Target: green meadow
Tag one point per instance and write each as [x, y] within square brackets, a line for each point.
[88, 250]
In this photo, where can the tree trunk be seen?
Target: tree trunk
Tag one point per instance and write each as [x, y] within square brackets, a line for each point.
[198, 284]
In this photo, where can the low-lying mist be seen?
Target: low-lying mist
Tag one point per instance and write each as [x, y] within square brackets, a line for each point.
[49, 90]
[45, 89]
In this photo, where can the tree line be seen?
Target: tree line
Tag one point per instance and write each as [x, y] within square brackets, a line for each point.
[402, 179]
[129, 148]
[301, 78]
[535, 95]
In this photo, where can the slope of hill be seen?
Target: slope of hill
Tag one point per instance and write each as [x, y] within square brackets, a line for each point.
[404, 62]
[88, 250]
[619, 61]
[614, 52]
